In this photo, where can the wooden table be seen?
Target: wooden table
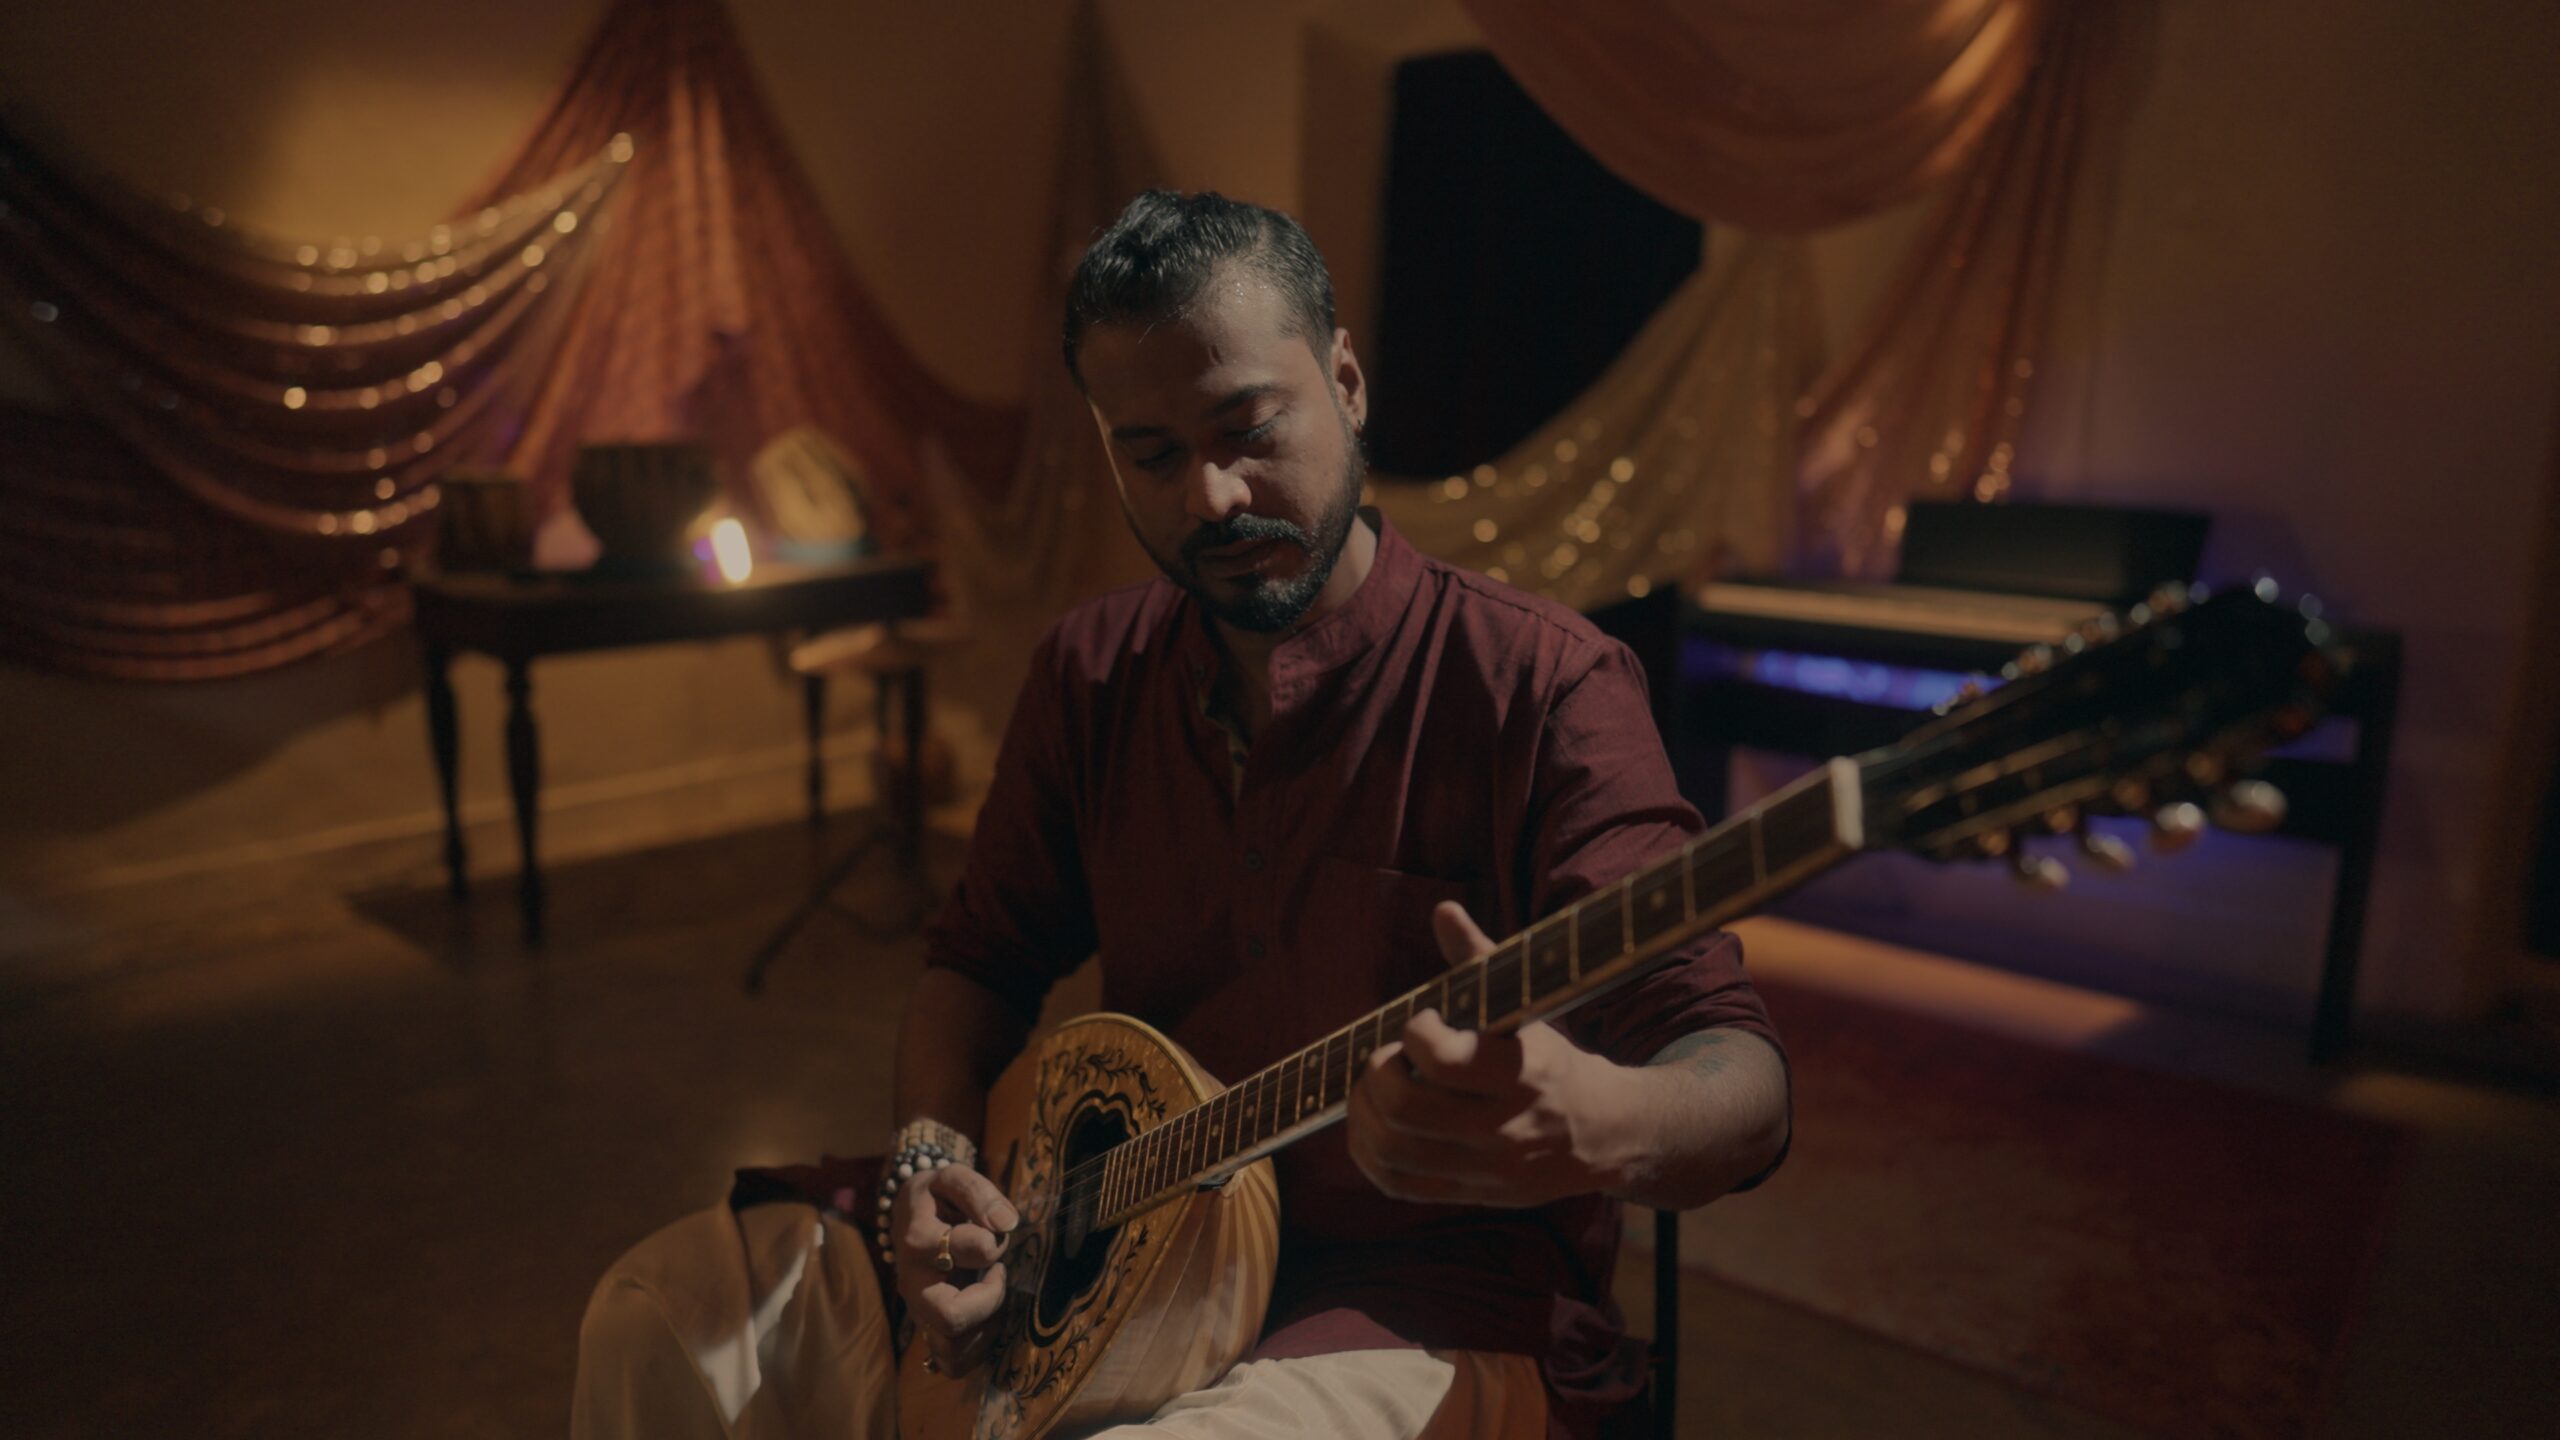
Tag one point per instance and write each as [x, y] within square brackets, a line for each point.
[518, 620]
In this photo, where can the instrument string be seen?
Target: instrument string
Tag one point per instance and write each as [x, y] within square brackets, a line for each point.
[1085, 1180]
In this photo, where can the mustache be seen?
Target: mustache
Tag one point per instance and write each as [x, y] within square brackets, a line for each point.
[1241, 530]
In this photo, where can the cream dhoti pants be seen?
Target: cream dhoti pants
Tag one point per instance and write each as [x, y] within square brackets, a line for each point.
[767, 1323]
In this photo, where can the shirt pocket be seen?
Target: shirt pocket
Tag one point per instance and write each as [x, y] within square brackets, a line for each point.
[1369, 931]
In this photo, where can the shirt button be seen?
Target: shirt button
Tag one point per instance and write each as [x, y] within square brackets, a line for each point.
[1253, 946]
[1253, 860]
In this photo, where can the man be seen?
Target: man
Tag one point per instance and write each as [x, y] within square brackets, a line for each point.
[1272, 790]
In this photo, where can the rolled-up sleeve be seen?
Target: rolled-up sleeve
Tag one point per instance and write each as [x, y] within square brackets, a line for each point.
[1022, 915]
[1605, 806]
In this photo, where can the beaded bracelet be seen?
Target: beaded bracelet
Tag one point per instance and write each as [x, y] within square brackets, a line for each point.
[919, 1145]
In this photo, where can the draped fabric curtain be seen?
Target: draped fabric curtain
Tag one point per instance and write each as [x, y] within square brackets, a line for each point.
[1780, 116]
[267, 419]
[1679, 458]
[1783, 115]
[1932, 399]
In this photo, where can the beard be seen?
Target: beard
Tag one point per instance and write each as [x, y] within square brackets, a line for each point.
[1265, 605]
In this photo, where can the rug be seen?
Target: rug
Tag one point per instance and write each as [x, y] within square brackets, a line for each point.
[2168, 1252]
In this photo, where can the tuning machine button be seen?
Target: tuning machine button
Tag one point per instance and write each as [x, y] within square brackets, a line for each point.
[1966, 694]
[2040, 872]
[2105, 851]
[2249, 807]
[2174, 827]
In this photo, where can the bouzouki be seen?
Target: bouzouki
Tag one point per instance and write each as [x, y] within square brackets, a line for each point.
[1150, 1213]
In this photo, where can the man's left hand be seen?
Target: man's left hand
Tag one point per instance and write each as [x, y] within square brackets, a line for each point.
[1458, 1116]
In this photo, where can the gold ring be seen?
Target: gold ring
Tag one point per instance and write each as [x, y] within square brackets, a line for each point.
[942, 1258]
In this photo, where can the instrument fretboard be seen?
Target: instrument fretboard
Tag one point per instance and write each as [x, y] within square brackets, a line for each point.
[1605, 939]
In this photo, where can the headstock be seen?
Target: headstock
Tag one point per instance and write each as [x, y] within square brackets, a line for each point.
[2157, 712]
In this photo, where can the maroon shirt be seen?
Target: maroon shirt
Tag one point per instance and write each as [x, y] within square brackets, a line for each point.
[1438, 737]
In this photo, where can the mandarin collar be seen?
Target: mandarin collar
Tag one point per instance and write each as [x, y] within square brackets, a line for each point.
[1368, 617]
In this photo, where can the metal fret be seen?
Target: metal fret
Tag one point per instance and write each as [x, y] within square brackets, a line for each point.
[1466, 990]
[1722, 869]
[1550, 968]
[1337, 1065]
[1653, 915]
[1598, 923]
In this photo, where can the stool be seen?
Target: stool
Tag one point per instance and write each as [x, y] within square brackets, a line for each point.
[893, 656]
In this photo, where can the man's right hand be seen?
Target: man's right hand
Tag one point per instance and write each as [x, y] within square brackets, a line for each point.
[952, 1303]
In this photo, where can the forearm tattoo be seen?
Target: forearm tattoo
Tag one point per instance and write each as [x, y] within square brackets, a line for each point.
[1702, 1054]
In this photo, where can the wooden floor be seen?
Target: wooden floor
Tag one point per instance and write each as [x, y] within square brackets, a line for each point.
[299, 1149]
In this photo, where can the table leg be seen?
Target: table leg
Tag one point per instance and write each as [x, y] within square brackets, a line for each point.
[2333, 1007]
[813, 705]
[524, 777]
[911, 806]
[445, 741]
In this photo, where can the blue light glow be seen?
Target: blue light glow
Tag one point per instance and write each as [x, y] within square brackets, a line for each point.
[1897, 687]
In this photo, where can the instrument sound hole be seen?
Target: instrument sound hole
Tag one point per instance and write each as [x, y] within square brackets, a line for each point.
[1077, 1259]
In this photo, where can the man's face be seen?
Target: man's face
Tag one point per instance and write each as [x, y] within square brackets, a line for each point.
[1236, 449]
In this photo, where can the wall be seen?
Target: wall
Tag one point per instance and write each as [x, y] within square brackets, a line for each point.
[2327, 315]
[307, 118]
[2324, 309]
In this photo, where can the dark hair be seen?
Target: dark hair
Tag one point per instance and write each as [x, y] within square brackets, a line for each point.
[1165, 249]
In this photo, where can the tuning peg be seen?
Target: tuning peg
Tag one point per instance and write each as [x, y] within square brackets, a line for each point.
[2132, 794]
[2062, 819]
[1966, 694]
[2040, 872]
[2205, 768]
[2035, 660]
[2168, 600]
[2174, 827]
[2249, 807]
[1992, 843]
[2265, 587]
[2106, 851]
